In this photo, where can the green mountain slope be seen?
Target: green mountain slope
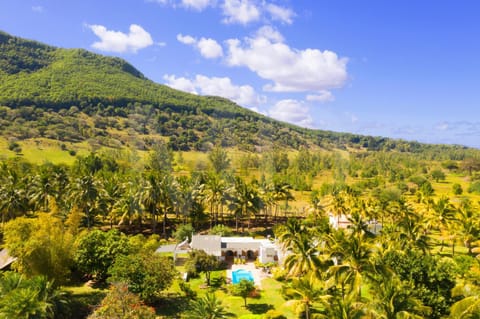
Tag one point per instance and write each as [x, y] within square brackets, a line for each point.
[75, 95]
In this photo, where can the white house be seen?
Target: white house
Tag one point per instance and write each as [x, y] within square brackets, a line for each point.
[227, 248]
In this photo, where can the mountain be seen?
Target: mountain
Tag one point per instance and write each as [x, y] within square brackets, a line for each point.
[75, 95]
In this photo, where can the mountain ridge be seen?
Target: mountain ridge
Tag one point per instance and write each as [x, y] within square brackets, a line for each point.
[42, 77]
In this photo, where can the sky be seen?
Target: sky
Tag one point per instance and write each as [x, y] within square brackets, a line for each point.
[405, 69]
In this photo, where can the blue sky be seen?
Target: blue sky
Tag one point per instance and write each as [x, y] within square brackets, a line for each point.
[405, 69]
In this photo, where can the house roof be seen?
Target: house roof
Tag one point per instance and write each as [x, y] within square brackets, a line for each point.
[5, 259]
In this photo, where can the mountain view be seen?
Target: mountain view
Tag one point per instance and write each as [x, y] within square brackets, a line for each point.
[238, 159]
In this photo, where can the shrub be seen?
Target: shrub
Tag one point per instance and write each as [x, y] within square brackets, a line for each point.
[457, 189]
[274, 314]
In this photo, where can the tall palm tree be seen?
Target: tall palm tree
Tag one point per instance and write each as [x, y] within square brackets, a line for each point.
[444, 216]
[356, 263]
[245, 201]
[469, 306]
[208, 307]
[214, 188]
[307, 289]
[341, 307]
[13, 198]
[85, 193]
[303, 256]
[393, 300]
[150, 198]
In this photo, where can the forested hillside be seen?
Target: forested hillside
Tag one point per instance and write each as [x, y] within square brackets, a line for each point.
[73, 95]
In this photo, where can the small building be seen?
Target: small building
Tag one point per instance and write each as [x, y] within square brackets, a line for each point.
[342, 222]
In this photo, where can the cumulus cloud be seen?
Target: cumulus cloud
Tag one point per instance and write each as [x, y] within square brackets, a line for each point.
[322, 96]
[208, 48]
[289, 69]
[270, 33]
[279, 13]
[117, 41]
[237, 11]
[244, 95]
[198, 5]
[292, 111]
[186, 39]
[240, 11]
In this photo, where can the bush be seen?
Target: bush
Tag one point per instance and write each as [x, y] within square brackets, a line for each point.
[279, 274]
[457, 189]
[273, 314]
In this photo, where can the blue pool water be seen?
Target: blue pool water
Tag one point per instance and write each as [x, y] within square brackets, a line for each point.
[240, 274]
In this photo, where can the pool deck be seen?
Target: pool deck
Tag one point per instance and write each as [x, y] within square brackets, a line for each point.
[258, 274]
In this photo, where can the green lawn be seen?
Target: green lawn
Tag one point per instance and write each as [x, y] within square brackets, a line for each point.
[270, 297]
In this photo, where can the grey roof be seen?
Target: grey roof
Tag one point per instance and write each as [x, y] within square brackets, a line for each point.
[5, 258]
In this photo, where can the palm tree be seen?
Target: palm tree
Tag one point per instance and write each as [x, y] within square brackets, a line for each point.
[289, 232]
[468, 224]
[469, 306]
[13, 199]
[85, 192]
[245, 201]
[303, 256]
[393, 300]
[41, 189]
[444, 216]
[355, 255]
[150, 198]
[214, 188]
[307, 289]
[341, 307]
[208, 307]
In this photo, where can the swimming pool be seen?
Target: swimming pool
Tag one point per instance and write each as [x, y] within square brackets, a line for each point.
[240, 274]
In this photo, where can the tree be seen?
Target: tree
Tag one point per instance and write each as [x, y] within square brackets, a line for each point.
[145, 275]
[457, 189]
[438, 175]
[304, 256]
[243, 289]
[120, 303]
[208, 307]
[85, 192]
[31, 298]
[245, 201]
[307, 290]
[200, 261]
[219, 161]
[393, 299]
[184, 232]
[42, 246]
[97, 250]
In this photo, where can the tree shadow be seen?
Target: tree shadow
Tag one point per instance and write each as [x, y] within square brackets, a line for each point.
[259, 308]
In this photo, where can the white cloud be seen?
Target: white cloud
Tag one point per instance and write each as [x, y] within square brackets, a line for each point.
[323, 96]
[291, 70]
[198, 5]
[292, 111]
[243, 95]
[240, 11]
[38, 9]
[186, 39]
[116, 41]
[282, 14]
[269, 33]
[182, 84]
[208, 48]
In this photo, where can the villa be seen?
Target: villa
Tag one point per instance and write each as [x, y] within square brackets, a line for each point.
[228, 248]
